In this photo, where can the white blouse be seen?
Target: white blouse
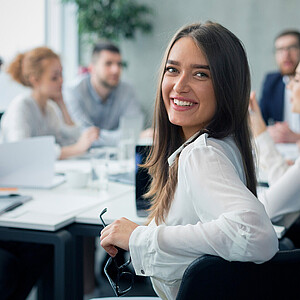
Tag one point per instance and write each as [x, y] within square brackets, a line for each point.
[213, 212]
[283, 195]
[23, 119]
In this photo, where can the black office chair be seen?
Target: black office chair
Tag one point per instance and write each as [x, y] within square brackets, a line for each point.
[211, 277]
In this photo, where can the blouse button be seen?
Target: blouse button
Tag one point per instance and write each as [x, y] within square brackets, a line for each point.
[142, 271]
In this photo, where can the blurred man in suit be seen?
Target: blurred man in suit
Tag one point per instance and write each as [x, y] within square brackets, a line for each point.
[284, 126]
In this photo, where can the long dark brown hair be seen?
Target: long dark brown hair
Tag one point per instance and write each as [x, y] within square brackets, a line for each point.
[231, 82]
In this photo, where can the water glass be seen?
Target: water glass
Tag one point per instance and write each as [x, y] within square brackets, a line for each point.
[126, 150]
[100, 168]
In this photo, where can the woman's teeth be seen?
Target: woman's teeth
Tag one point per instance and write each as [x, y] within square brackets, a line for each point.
[182, 103]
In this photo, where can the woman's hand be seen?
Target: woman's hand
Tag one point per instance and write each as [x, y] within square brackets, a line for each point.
[58, 99]
[117, 234]
[257, 122]
[281, 133]
[84, 143]
[87, 138]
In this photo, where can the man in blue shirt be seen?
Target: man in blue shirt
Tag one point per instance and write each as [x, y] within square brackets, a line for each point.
[100, 98]
[284, 126]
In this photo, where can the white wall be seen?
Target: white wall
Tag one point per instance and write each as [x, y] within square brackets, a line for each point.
[21, 28]
[255, 22]
[61, 35]
[25, 24]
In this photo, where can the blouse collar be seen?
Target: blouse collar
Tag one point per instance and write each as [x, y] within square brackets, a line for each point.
[172, 157]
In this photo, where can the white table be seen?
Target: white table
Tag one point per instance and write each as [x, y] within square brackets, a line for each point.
[53, 209]
[44, 220]
[121, 206]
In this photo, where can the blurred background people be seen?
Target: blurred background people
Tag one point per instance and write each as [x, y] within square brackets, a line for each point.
[42, 111]
[284, 125]
[99, 98]
[283, 195]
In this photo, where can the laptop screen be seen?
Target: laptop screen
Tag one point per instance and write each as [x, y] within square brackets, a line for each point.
[142, 181]
[29, 163]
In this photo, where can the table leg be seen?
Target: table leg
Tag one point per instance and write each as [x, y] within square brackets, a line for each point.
[62, 242]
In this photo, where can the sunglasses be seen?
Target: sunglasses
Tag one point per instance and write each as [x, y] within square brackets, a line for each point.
[120, 277]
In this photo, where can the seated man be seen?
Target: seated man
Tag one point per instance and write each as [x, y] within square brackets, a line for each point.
[275, 100]
[100, 98]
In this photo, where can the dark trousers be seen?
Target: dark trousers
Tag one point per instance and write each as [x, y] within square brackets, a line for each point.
[21, 265]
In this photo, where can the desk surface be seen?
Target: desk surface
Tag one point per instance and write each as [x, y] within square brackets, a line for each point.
[53, 209]
[122, 206]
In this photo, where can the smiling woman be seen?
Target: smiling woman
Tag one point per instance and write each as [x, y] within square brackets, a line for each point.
[203, 181]
[187, 87]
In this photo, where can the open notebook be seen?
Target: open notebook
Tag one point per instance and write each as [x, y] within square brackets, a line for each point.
[11, 201]
[29, 163]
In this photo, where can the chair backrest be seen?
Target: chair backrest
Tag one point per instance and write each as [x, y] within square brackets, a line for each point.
[211, 277]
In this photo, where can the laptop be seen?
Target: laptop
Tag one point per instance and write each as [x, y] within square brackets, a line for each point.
[29, 163]
[142, 181]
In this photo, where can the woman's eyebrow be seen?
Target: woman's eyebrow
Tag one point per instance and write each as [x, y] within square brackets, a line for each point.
[195, 66]
[173, 62]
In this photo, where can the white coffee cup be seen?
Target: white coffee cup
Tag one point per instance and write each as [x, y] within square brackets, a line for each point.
[77, 178]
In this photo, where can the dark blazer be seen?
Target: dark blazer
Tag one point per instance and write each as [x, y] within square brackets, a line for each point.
[272, 99]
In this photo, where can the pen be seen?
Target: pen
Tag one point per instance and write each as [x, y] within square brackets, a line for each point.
[13, 206]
